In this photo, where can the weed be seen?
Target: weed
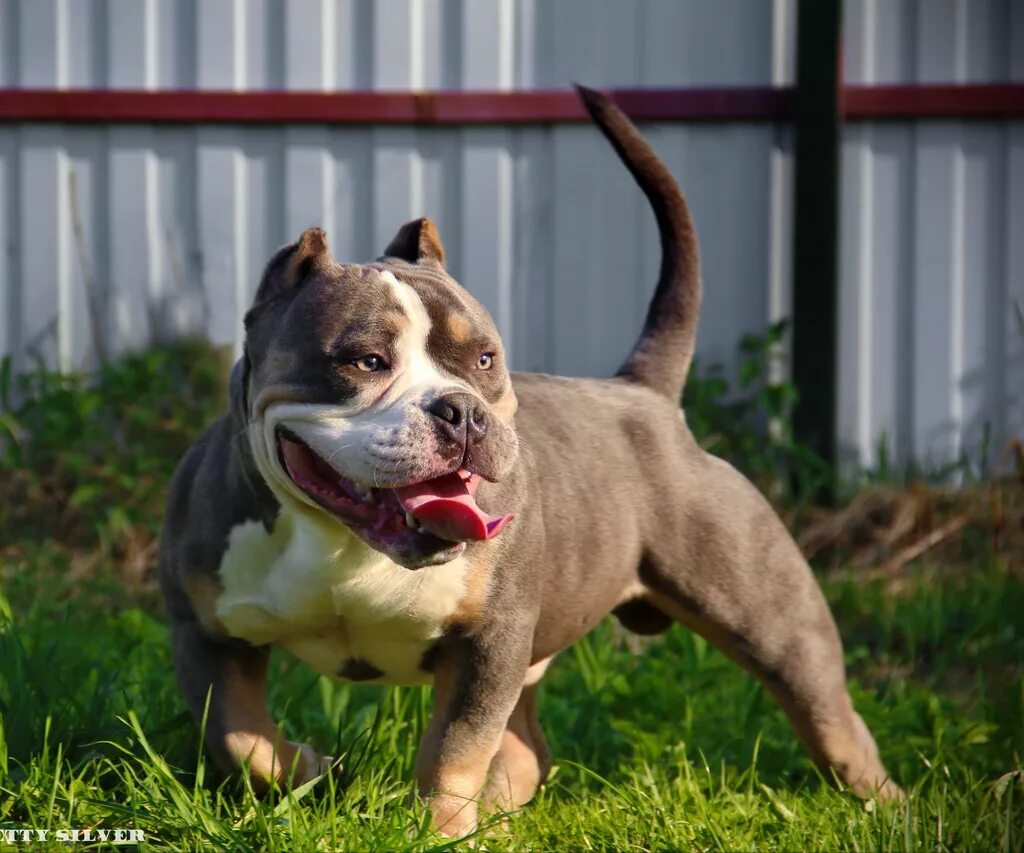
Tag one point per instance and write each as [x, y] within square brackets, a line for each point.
[752, 426]
[85, 458]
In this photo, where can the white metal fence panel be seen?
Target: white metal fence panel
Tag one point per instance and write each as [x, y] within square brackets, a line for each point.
[542, 224]
[392, 44]
[932, 269]
[933, 41]
[162, 229]
[113, 235]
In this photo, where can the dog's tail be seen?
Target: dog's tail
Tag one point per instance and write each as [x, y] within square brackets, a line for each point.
[662, 355]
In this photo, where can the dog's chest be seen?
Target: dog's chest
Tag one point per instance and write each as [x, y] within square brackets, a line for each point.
[346, 610]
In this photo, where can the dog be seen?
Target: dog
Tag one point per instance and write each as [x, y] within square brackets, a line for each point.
[391, 505]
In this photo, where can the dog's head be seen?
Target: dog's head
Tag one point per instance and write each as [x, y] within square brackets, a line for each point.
[378, 394]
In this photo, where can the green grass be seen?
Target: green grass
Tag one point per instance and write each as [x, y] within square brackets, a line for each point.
[672, 748]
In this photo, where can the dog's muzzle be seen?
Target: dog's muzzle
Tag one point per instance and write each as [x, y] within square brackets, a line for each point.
[460, 419]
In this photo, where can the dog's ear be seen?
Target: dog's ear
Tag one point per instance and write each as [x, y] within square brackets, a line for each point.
[417, 241]
[293, 264]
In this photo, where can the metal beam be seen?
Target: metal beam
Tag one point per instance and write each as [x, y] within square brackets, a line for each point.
[815, 227]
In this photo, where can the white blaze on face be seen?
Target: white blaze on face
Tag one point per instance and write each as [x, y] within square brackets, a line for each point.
[358, 438]
[417, 374]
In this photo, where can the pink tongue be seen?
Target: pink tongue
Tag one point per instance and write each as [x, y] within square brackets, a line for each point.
[447, 509]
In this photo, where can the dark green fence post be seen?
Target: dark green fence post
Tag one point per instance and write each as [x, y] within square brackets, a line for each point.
[815, 251]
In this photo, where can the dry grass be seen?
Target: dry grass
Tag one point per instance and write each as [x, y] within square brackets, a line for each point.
[886, 527]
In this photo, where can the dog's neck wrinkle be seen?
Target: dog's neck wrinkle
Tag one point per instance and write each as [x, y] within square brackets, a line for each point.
[243, 465]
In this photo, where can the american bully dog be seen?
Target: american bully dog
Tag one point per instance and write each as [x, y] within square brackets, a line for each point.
[387, 502]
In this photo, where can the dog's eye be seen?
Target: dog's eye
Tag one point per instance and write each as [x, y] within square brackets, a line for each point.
[370, 363]
[486, 361]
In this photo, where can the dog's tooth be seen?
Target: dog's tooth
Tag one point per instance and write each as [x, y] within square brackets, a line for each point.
[365, 493]
[410, 521]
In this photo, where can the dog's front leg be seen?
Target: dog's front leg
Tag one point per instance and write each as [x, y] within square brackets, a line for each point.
[477, 682]
[239, 727]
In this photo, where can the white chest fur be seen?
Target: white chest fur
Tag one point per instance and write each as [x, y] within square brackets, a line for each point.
[312, 587]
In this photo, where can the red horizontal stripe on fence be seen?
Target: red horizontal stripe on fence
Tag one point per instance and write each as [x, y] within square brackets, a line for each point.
[975, 100]
[454, 107]
[860, 103]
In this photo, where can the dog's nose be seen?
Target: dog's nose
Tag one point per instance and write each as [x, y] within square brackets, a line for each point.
[461, 416]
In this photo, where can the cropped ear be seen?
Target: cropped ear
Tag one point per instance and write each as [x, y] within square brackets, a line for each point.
[417, 241]
[292, 264]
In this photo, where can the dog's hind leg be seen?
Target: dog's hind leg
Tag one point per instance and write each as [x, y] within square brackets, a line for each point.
[239, 727]
[731, 572]
[799, 660]
[523, 759]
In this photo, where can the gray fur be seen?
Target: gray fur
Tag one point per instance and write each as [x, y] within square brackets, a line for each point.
[617, 509]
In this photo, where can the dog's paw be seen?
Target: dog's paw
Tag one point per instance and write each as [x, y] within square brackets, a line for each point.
[453, 816]
[890, 792]
[313, 764]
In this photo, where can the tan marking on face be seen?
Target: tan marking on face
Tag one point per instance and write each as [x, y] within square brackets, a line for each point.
[204, 592]
[506, 407]
[396, 322]
[459, 328]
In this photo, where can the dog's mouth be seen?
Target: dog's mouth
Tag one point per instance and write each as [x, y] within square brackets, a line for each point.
[417, 523]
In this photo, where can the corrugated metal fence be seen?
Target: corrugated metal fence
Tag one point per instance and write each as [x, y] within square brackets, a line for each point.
[115, 234]
[932, 271]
